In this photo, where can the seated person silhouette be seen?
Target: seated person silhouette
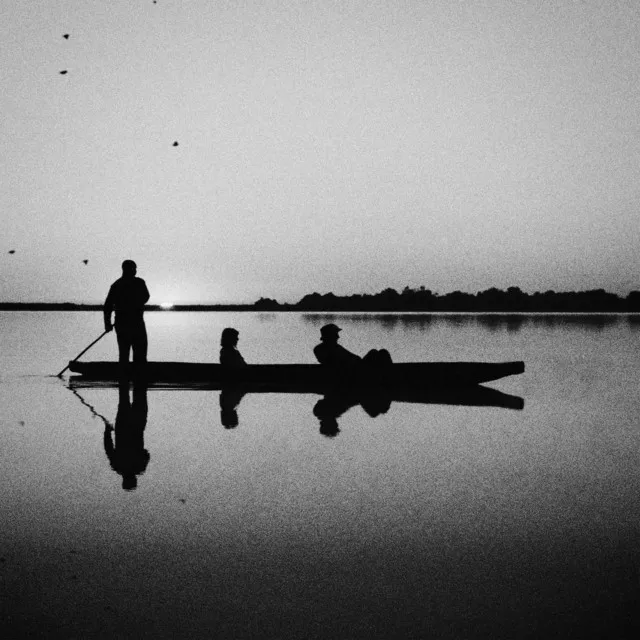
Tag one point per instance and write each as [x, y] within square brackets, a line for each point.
[229, 354]
[126, 452]
[332, 354]
[230, 396]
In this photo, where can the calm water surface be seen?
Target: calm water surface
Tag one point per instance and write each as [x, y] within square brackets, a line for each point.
[427, 521]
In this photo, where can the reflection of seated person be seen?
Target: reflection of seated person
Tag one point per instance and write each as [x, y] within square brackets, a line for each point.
[126, 453]
[229, 354]
[332, 354]
[329, 409]
[229, 400]
[334, 405]
[376, 404]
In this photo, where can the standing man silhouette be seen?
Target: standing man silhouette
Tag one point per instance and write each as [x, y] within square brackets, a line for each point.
[127, 297]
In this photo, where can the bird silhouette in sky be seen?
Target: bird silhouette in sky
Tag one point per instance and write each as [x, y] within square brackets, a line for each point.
[66, 36]
[86, 261]
[175, 144]
[63, 72]
[12, 251]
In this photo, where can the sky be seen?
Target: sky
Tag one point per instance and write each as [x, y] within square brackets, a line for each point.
[322, 146]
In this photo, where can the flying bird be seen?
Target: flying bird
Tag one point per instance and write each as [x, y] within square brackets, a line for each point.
[86, 261]
[66, 36]
[63, 72]
[175, 144]
[12, 251]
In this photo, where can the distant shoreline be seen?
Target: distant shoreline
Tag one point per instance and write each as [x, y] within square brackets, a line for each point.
[420, 300]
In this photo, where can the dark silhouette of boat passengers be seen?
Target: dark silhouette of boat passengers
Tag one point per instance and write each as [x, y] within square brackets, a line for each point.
[335, 404]
[332, 354]
[229, 400]
[229, 354]
[127, 296]
[230, 396]
[126, 452]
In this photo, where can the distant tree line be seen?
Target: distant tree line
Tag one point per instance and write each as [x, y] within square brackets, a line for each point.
[422, 299]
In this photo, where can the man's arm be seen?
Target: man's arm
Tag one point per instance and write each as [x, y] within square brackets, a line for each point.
[344, 356]
[144, 292]
[320, 352]
[335, 355]
[108, 309]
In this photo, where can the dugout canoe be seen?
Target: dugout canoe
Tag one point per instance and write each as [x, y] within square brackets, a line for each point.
[401, 373]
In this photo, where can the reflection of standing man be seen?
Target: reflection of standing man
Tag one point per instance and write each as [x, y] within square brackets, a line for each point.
[127, 296]
[126, 452]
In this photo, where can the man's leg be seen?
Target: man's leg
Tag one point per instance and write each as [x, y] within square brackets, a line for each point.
[140, 344]
[123, 334]
[378, 358]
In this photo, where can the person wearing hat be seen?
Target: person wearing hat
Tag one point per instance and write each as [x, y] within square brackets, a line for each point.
[229, 354]
[330, 353]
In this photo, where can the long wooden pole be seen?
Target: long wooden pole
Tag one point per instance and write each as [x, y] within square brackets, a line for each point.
[83, 352]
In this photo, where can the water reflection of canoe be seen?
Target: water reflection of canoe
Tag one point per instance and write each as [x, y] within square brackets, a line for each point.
[402, 373]
[466, 395]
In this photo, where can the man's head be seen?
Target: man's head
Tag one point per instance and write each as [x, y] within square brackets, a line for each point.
[330, 333]
[129, 268]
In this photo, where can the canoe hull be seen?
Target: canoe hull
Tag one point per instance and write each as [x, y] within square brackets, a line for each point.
[467, 395]
[401, 374]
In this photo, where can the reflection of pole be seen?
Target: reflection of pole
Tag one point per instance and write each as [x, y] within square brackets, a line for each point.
[107, 424]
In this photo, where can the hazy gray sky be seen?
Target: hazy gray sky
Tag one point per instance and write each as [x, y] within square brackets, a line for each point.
[342, 146]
